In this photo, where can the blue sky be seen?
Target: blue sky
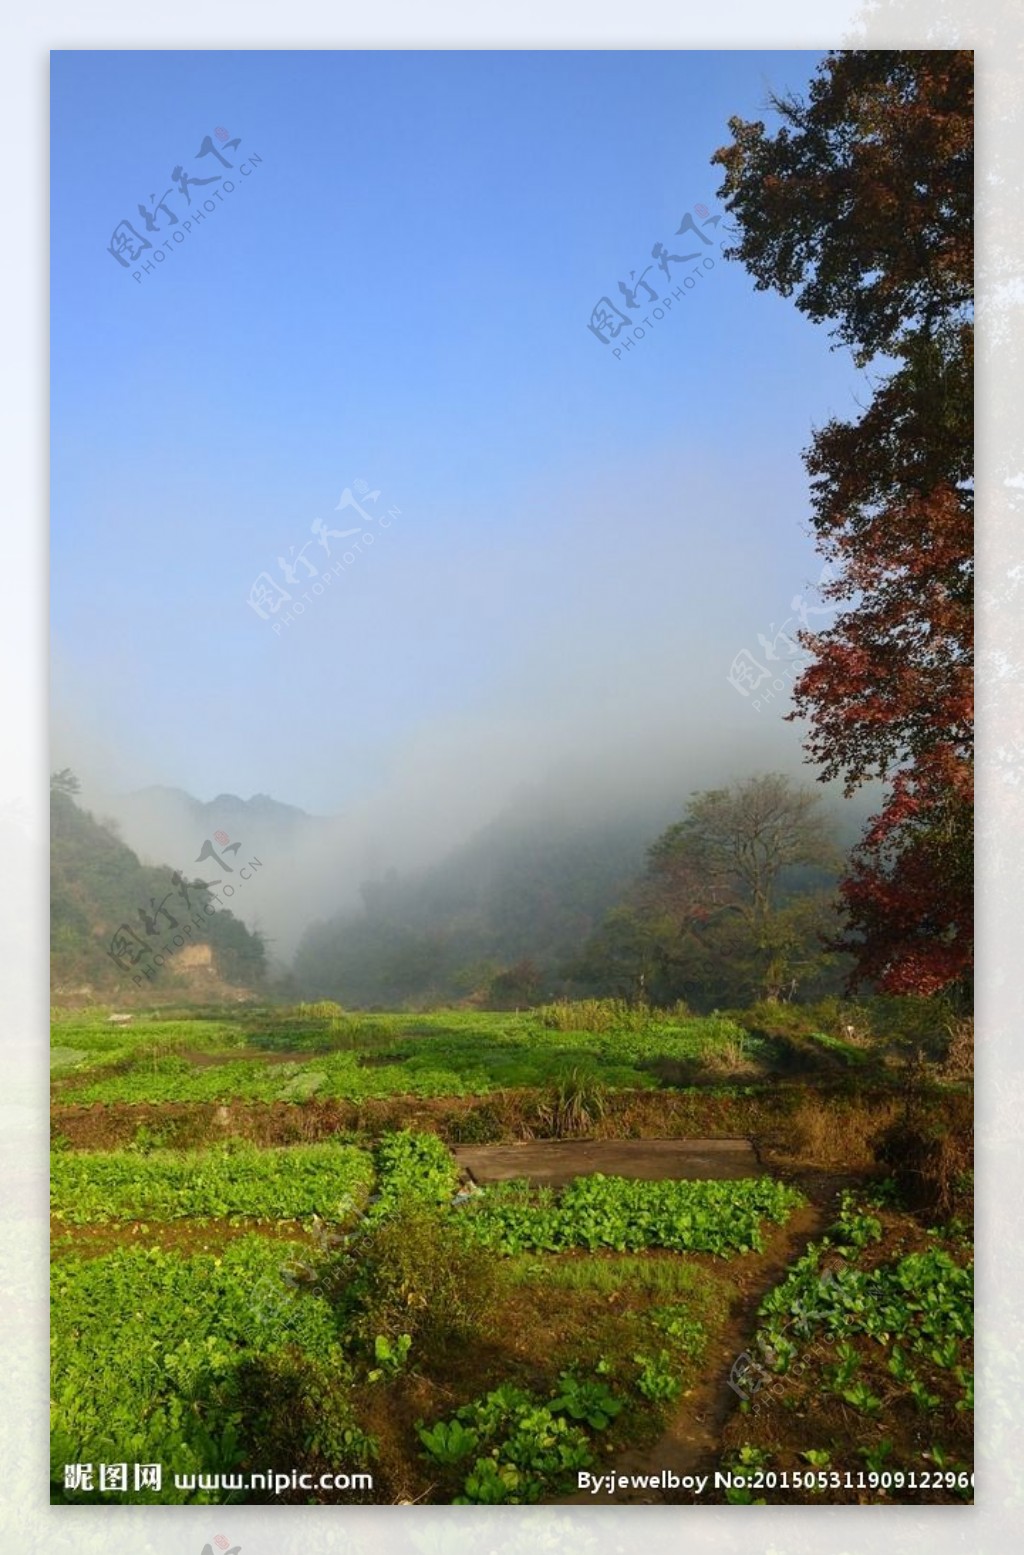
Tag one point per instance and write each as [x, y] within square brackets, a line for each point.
[399, 293]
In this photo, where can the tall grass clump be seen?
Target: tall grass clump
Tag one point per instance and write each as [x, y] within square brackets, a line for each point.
[594, 1015]
[726, 1050]
[958, 1063]
[573, 1105]
[415, 1271]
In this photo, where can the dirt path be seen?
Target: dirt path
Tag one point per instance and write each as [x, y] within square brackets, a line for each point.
[689, 1445]
[554, 1162]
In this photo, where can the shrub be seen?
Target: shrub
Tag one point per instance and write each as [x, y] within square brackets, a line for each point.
[480, 1125]
[301, 1411]
[931, 1156]
[841, 1018]
[414, 1272]
[913, 1022]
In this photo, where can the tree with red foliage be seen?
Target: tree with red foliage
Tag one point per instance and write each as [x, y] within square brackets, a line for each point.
[862, 204]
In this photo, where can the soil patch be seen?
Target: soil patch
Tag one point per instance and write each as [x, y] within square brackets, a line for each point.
[184, 1236]
[828, 1126]
[244, 1055]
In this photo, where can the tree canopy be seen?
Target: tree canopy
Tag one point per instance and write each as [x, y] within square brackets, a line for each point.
[861, 205]
[732, 902]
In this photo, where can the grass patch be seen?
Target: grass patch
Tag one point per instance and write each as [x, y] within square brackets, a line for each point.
[450, 1053]
[651, 1276]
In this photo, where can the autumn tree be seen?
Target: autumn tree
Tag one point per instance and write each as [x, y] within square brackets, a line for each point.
[860, 205]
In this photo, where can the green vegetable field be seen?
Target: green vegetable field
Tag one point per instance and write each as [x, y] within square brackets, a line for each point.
[252, 1269]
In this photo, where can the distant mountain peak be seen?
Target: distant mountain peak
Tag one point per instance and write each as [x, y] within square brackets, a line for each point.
[262, 804]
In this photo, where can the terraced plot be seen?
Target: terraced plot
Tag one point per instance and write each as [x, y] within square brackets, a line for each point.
[360, 1302]
[453, 1053]
[221, 1357]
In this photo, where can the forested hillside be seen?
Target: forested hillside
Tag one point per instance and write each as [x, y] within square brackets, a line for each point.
[727, 904]
[118, 925]
[497, 918]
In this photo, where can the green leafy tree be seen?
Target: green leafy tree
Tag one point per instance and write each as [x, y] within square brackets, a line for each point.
[98, 884]
[517, 985]
[731, 907]
[625, 956]
[733, 857]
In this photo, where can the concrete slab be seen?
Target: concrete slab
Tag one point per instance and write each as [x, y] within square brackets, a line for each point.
[553, 1162]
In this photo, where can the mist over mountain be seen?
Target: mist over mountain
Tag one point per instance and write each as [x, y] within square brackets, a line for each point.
[164, 824]
[306, 875]
[161, 822]
[526, 875]
[530, 887]
[522, 911]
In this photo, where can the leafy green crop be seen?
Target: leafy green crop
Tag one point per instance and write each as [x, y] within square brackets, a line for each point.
[412, 1167]
[592, 1402]
[448, 1442]
[658, 1380]
[238, 1182]
[862, 1398]
[917, 1310]
[390, 1355]
[678, 1324]
[853, 1228]
[627, 1215]
[156, 1356]
[534, 1450]
[922, 1299]
[447, 1053]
